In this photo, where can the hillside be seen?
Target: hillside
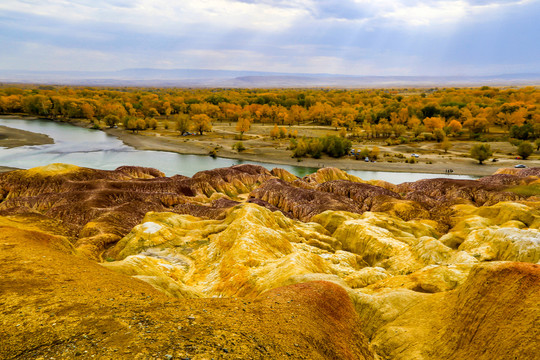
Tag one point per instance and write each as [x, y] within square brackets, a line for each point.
[243, 262]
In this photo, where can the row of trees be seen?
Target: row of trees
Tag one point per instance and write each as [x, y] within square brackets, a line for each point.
[331, 145]
[377, 113]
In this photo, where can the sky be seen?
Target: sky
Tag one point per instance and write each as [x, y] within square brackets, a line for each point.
[353, 37]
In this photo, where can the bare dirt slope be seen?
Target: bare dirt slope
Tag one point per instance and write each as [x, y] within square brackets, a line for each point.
[57, 305]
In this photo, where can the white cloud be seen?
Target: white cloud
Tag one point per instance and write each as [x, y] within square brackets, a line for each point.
[435, 13]
[428, 14]
[338, 36]
[261, 16]
[162, 15]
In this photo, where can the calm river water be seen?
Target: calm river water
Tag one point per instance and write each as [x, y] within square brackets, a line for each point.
[96, 149]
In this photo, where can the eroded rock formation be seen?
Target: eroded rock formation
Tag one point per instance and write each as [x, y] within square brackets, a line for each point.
[362, 268]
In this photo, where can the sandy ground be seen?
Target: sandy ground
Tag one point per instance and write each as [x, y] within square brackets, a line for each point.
[10, 138]
[263, 149]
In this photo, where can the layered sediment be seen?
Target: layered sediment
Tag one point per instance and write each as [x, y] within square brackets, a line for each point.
[364, 269]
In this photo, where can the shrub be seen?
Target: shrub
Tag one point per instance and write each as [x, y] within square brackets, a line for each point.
[315, 148]
[301, 149]
[411, 160]
[292, 144]
[336, 146]
[481, 152]
[525, 149]
[361, 154]
[239, 146]
[403, 140]
[439, 135]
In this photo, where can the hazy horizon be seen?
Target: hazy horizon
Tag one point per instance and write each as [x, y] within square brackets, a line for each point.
[350, 37]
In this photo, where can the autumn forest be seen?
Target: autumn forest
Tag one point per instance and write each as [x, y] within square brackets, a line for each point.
[395, 116]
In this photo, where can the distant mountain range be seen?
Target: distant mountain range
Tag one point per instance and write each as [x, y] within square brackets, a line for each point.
[251, 79]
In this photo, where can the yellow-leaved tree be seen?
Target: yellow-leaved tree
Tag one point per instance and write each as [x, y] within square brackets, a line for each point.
[201, 123]
[243, 124]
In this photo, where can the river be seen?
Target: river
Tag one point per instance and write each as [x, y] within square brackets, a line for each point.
[96, 149]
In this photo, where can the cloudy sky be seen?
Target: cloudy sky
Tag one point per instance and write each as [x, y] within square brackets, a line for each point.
[356, 37]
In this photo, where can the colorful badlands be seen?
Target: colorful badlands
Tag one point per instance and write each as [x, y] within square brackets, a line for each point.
[246, 263]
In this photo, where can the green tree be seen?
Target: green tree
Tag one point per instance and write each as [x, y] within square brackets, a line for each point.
[481, 152]
[525, 149]
[111, 120]
[183, 123]
[523, 132]
[439, 135]
[315, 148]
[363, 154]
[301, 149]
[239, 146]
[336, 146]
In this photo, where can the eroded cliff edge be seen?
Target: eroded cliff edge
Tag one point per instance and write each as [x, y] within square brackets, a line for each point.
[243, 262]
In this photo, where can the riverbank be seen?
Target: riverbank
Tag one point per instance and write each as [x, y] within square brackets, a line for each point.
[10, 138]
[260, 148]
[272, 152]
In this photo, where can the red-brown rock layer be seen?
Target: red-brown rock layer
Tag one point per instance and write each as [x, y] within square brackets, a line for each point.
[302, 203]
[102, 206]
